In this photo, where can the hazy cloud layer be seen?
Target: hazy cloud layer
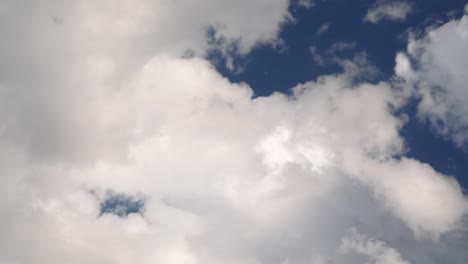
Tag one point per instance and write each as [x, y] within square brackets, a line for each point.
[97, 97]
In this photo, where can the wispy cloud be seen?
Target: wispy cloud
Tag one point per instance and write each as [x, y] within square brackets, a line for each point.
[388, 10]
[332, 54]
[306, 3]
[323, 28]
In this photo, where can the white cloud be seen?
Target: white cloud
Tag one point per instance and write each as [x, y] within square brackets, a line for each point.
[227, 178]
[306, 3]
[323, 28]
[100, 43]
[225, 175]
[104, 36]
[408, 186]
[438, 72]
[316, 57]
[376, 250]
[388, 10]
[333, 54]
[342, 46]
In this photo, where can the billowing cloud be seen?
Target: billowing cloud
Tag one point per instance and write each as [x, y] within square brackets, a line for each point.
[388, 10]
[64, 54]
[436, 65]
[199, 170]
[227, 177]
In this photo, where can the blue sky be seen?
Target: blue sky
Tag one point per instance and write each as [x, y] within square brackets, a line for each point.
[246, 132]
[292, 64]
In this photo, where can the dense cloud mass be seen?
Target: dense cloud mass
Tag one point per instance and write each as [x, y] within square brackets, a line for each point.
[439, 74]
[98, 97]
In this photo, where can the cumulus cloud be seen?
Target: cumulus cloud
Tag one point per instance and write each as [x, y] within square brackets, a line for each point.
[107, 38]
[228, 178]
[87, 45]
[225, 177]
[436, 65]
[388, 10]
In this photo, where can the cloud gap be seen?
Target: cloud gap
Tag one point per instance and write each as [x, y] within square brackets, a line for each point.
[121, 204]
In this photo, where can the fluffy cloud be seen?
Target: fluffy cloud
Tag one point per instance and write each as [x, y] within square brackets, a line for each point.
[225, 177]
[71, 52]
[436, 64]
[388, 10]
[105, 39]
[228, 178]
